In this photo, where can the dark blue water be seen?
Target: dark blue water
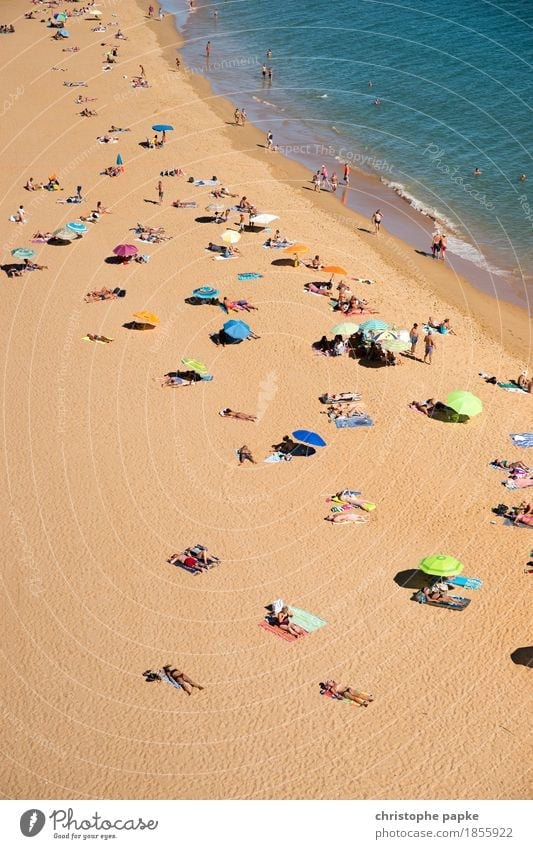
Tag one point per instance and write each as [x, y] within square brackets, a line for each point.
[455, 84]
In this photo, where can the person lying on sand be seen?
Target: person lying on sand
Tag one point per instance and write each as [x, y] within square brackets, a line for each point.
[182, 679]
[343, 409]
[111, 171]
[184, 204]
[231, 414]
[426, 407]
[195, 558]
[33, 266]
[241, 305]
[438, 597]
[114, 129]
[223, 192]
[94, 337]
[339, 691]
[101, 295]
[88, 113]
[244, 453]
[345, 518]
[442, 326]
[525, 383]
[319, 289]
[284, 621]
[42, 237]
[516, 464]
[523, 514]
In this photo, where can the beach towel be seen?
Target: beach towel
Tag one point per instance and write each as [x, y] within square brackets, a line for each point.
[278, 632]
[354, 421]
[306, 620]
[205, 183]
[421, 598]
[206, 377]
[522, 440]
[249, 275]
[329, 695]
[519, 483]
[346, 396]
[511, 386]
[277, 457]
[219, 256]
[98, 341]
[465, 583]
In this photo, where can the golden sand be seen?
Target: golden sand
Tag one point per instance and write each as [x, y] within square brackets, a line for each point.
[106, 475]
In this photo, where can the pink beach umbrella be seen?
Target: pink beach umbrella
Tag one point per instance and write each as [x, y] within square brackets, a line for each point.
[125, 251]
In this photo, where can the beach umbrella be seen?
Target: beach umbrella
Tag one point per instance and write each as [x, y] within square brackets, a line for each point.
[215, 207]
[385, 335]
[395, 345]
[64, 235]
[441, 566]
[195, 365]
[77, 227]
[373, 324]
[23, 253]
[147, 317]
[119, 159]
[231, 237]
[335, 269]
[464, 403]
[96, 13]
[60, 16]
[308, 437]
[162, 128]
[64, 33]
[237, 329]
[345, 328]
[263, 219]
[125, 251]
[296, 249]
[206, 292]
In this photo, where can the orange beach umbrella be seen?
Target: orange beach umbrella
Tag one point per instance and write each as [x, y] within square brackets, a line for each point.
[296, 249]
[335, 269]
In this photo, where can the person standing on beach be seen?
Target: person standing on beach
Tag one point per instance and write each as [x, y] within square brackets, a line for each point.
[243, 117]
[160, 192]
[237, 116]
[316, 181]
[269, 140]
[429, 343]
[443, 245]
[435, 244]
[161, 14]
[142, 74]
[377, 218]
[151, 11]
[346, 177]
[334, 182]
[178, 63]
[413, 338]
[208, 50]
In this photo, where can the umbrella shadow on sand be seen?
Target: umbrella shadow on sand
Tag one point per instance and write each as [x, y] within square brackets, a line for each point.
[411, 579]
[138, 325]
[283, 263]
[197, 302]
[205, 219]
[222, 339]
[114, 260]
[523, 656]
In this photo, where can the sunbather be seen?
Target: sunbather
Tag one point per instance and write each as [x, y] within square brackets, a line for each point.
[231, 414]
[339, 691]
[42, 237]
[94, 337]
[438, 597]
[182, 679]
[184, 204]
[426, 407]
[285, 446]
[525, 383]
[283, 619]
[245, 454]
[345, 518]
[504, 464]
[101, 295]
[33, 266]
[341, 397]
[335, 411]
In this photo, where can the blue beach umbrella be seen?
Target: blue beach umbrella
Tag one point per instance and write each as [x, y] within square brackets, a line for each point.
[65, 33]
[205, 292]
[77, 227]
[162, 128]
[23, 253]
[373, 324]
[308, 437]
[237, 329]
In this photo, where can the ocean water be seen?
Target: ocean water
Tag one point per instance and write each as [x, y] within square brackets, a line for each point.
[455, 82]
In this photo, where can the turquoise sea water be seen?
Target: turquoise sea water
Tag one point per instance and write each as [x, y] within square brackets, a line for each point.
[455, 83]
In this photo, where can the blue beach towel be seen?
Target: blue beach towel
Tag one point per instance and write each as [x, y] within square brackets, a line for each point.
[354, 421]
[249, 275]
[207, 377]
[466, 583]
[522, 440]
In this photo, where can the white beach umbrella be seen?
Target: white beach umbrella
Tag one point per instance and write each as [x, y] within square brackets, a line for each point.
[263, 218]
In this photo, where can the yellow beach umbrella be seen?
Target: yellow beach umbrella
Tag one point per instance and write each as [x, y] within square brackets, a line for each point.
[335, 269]
[231, 237]
[148, 317]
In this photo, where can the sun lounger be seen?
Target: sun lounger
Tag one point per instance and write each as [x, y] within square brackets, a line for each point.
[462, 602]
[354, 421]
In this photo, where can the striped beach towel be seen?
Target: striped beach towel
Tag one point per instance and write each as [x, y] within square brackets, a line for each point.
[522, 440]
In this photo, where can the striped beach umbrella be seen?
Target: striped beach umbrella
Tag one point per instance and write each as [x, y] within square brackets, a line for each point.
[373, 324]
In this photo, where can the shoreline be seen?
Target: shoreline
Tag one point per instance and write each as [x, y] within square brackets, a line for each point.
[491, 313]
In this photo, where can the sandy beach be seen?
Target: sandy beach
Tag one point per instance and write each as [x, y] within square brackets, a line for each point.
[106, 474]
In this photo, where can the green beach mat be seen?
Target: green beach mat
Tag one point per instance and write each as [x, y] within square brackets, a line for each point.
[306, 620]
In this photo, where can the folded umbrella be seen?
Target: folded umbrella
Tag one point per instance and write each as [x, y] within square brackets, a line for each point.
[237, 329]
[119, 160]
[309, 437]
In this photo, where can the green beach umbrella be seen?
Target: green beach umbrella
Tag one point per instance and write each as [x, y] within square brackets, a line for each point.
[345, 328]
[464, 403]
[23, 253]
[441, 565]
